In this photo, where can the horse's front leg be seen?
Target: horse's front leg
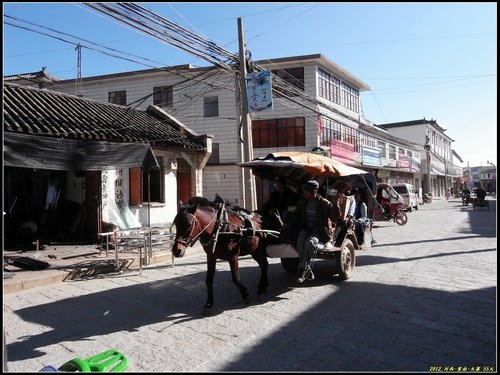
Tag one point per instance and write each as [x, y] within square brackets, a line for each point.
[263, 281]
[235, 275]
[209, 281]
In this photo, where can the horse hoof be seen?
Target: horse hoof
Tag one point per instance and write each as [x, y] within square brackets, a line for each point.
[246, 300]
[207, 311]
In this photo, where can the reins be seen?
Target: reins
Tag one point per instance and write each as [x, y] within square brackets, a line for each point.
[191, 241]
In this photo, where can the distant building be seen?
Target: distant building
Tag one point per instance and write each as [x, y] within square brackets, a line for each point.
[438, 161]
[485, 176]
[488, 178]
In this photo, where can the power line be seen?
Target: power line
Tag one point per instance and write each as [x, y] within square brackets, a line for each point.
[145, 21]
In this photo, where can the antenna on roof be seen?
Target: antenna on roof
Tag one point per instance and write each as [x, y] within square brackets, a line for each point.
[78, 82]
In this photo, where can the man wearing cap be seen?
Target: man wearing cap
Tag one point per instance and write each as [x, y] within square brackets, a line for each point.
[311, 221]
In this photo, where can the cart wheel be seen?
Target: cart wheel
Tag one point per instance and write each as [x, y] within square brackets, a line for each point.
[345, 260]
[401, 218]
[290, 264]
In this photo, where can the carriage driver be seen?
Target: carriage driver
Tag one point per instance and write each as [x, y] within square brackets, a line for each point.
[311, 221]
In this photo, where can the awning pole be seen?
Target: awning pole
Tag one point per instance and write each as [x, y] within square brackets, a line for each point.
[149, 217]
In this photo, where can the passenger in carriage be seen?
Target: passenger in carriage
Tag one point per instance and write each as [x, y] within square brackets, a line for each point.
[361, 220]
[280, 200]
[344, 206]
[311, 221]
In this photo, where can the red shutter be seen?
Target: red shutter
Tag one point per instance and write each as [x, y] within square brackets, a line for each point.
[135, 187]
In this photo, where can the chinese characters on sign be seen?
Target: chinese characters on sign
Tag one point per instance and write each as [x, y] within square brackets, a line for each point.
[259, 91]
[119, 188]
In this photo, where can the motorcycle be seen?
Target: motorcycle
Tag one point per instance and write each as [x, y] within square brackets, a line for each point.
[389, 205]
[466, 199]
[427, 198]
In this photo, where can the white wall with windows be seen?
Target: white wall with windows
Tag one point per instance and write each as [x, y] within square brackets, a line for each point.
[117, 208]
[204, 99]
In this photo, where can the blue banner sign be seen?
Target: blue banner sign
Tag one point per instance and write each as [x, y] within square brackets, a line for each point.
[371, 156]
[259, 91]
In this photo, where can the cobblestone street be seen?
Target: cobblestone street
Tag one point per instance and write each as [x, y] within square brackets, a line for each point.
[422, 299]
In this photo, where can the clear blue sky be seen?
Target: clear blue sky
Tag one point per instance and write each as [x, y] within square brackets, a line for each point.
[432, 60]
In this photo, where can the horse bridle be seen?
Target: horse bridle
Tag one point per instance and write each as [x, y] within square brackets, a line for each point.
[191, 241]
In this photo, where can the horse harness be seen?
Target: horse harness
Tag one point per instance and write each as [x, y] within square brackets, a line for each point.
[222, 223]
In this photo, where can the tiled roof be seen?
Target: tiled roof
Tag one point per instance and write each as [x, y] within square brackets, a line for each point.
[40, 76]
[48, 113]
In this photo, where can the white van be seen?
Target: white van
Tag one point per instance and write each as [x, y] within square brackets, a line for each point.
[409, 195]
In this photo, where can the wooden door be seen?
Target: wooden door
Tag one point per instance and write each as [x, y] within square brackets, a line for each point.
[183, 181]
[93, 206]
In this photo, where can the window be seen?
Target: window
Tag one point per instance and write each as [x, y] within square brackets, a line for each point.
[283, 132]
[211, 106]
[163, 96]
[351, 136]
[350, 97]
[117, 97]
[293, 77]
[367, 140]
[329, 131]
[214, 157]
[392, 152]
[139, 185]
[381, 147]
[329, 86]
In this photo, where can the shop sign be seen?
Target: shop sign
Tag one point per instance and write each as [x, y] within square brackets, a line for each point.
[371, 156]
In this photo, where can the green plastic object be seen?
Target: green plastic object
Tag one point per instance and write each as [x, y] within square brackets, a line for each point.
[109, 361]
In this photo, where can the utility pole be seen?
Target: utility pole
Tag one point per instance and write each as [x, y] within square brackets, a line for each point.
[427, 148]
[248, 183]
[446, 189]
[78, 82]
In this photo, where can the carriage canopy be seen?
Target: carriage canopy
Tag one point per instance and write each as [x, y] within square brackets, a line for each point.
[303, 166]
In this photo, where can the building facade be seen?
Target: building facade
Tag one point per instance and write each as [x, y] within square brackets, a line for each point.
[439, 171]
[316, 104]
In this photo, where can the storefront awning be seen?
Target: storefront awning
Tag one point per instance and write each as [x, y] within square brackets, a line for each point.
[39, 152]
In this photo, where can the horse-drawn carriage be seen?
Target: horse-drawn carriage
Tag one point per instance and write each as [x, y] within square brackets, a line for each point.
[302, 166]
[227, 232]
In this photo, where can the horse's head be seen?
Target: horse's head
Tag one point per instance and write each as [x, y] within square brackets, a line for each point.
[190, 222]
[185, 223]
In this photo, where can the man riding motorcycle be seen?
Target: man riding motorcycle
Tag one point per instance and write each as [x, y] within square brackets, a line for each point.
[466, 199]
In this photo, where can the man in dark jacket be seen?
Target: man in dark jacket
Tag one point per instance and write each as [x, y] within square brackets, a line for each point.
[311, 220]
[480, 193]
[281, 199]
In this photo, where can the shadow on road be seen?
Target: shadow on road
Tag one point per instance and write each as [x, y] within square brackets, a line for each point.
[398, 316]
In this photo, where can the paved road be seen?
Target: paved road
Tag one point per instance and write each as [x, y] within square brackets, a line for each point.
[423, 299]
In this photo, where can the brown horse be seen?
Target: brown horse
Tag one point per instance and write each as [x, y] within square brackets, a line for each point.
[225, 233]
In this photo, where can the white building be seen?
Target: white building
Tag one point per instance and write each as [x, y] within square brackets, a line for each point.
[438, 160]
[316, 103]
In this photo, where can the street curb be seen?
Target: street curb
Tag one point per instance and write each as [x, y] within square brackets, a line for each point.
[24, 279]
